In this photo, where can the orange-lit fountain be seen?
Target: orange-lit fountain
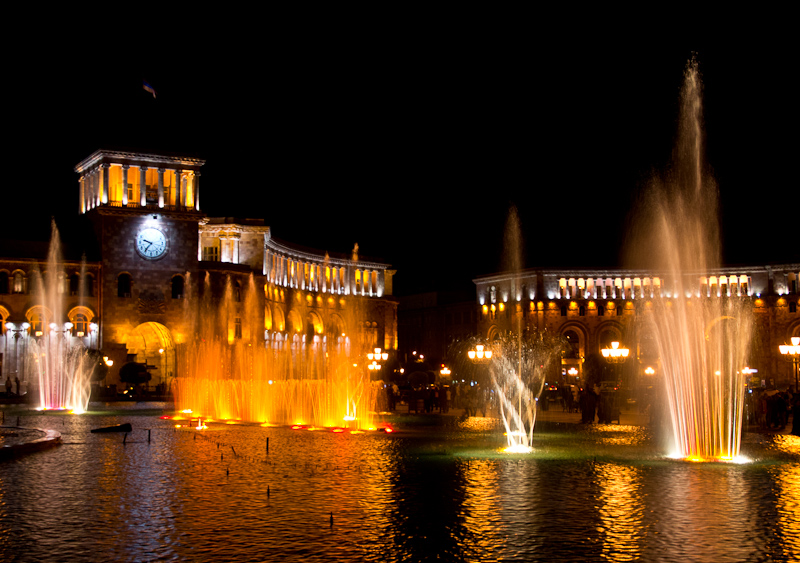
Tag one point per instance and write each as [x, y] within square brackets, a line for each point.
[288, 381]
[702, 330]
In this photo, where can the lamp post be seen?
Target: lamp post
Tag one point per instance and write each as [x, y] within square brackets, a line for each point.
[615, 354]
[376, 358]
[791, 353]
[479, 355]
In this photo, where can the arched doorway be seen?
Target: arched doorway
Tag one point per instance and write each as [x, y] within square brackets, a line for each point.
[151, 343]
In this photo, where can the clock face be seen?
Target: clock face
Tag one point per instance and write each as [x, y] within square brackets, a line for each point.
[151, 243]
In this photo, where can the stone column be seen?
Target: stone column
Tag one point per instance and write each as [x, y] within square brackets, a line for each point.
[143, 185]
[104, 183]
[180, 199]
[125, 184]
[161, 187]
[178, 187]
[82, 197]
[196, 186]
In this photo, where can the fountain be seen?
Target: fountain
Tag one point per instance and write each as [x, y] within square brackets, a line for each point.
[61, 366]
[702, 331]
[518, 368]
[518, 362]
[311, 381]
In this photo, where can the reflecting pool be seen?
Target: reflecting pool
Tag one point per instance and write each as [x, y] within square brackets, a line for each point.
[436, 489]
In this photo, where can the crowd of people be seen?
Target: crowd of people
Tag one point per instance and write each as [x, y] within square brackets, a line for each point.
[12, 389]
[770, 410]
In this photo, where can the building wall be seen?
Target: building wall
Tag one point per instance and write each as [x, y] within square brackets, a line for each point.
[597, 306]
[217, 277]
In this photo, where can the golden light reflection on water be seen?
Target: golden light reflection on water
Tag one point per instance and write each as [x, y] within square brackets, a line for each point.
[480, 510]
[617, 435]
[787, 443]
[787, 478]
[621, 510]
[479, 424]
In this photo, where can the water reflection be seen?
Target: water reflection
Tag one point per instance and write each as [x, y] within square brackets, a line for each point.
[621, 506]
[787, 491]
[585, 494]
[480, 510]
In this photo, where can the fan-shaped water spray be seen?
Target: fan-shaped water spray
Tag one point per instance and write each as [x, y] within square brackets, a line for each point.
[60, 366]
[702, 330]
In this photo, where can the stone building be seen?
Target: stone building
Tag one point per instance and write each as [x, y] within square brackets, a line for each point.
[592, 308]
[164, 272]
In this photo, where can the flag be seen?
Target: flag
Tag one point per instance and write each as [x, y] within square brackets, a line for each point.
[149, 88]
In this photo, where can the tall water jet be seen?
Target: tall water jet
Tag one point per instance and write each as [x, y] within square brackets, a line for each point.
[702, 327]
[61, 369]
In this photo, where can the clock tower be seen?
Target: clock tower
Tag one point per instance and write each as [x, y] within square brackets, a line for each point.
[145, 212]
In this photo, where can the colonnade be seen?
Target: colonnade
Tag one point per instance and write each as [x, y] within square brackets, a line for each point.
[119, 185]
[650, 287]
[339, 277]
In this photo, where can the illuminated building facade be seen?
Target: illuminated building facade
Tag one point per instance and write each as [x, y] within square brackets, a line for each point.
[592, 308]
[160, 257]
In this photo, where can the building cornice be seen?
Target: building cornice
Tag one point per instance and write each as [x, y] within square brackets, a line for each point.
[631, 273]
[180, 215]
[137, 159]
[320, 257]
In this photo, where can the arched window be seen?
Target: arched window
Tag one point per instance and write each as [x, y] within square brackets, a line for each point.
[80, 325]
[124, 284]
[177, 287]
[19, 283]
[4, 285]
[37, 324]
[574, 344]
[607, 336]
[237, 291]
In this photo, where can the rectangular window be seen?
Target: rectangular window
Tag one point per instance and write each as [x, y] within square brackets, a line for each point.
[237, 328]
[211, 253]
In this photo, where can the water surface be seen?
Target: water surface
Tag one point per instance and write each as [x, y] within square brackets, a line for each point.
[428, 492]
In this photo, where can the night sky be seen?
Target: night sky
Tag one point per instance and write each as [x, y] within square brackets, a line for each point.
[416, 145]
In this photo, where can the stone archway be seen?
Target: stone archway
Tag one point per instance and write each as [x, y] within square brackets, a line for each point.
[151, 343]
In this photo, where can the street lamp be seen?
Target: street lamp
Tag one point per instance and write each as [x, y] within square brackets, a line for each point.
[479, 355]
[615, 354]
[376, 357]
[792, 354]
